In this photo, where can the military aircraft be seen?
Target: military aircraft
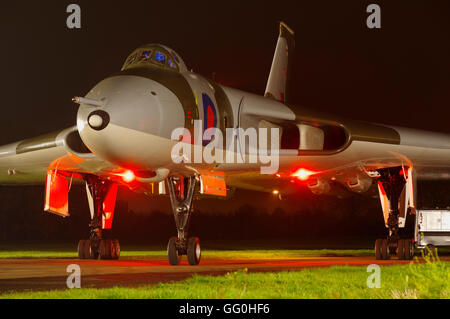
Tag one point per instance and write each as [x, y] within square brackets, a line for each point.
[124, 135]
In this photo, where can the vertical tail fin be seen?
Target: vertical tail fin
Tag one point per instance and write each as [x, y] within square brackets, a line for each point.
[279, 72]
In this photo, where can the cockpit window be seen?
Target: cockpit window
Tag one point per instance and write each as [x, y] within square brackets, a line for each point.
[155, 55]
[145, 55]
[171, 64]
[160, 57]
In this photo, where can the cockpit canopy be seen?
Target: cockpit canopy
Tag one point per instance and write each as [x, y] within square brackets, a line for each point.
[155, 55]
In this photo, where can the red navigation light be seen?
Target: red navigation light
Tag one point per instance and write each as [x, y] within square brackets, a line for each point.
[303, 174]
[128, 176]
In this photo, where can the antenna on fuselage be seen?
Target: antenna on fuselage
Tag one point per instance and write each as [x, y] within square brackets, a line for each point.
[84, 100]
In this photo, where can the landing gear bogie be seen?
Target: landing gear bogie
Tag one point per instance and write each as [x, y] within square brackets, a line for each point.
[403, 248]
[191, 248]
[103, 248]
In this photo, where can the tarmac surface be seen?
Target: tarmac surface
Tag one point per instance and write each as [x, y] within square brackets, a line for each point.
[48, 274]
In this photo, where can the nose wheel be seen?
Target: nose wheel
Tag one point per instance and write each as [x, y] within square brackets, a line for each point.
[173, 253]
[181, 192]
[191, 249]
[194, 251]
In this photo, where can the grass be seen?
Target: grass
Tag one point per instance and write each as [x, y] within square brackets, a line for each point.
[428, 280]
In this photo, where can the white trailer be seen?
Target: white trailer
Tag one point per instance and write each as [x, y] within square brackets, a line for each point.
[432, 228]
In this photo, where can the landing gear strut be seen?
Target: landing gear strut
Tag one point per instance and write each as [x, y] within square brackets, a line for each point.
[391, 184]
[181, 192]
[96, 246]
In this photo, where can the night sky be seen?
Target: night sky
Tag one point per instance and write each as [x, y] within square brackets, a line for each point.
[399, 74]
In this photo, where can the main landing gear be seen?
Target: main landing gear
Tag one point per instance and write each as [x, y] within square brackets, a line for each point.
[96, 246]
[181, 192]
[404, 249]
[392, 185]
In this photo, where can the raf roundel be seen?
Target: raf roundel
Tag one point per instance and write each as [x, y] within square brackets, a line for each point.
[209, 114]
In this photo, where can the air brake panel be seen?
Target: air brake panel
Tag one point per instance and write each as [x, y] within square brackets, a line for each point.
[56, 194]
[213, 185]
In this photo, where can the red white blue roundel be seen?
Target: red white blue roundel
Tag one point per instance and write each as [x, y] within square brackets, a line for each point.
[209, 115]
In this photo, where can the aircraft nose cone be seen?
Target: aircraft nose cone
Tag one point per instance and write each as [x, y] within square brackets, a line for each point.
[124, 115]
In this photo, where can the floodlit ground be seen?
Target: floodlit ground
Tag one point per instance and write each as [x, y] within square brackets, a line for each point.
[429, 280]
[414, 280]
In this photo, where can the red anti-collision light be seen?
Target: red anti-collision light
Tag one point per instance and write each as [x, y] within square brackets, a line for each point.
[128, 176]
[303, 174]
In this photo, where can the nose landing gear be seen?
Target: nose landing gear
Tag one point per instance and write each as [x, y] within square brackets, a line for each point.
[181, 192]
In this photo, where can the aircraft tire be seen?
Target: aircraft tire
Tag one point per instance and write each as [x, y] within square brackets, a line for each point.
[378, 255]
[385, 249]
[105, 249]
[91, 251]
[115, 249]
[81, 249]
[172, 252]
[194, 252]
